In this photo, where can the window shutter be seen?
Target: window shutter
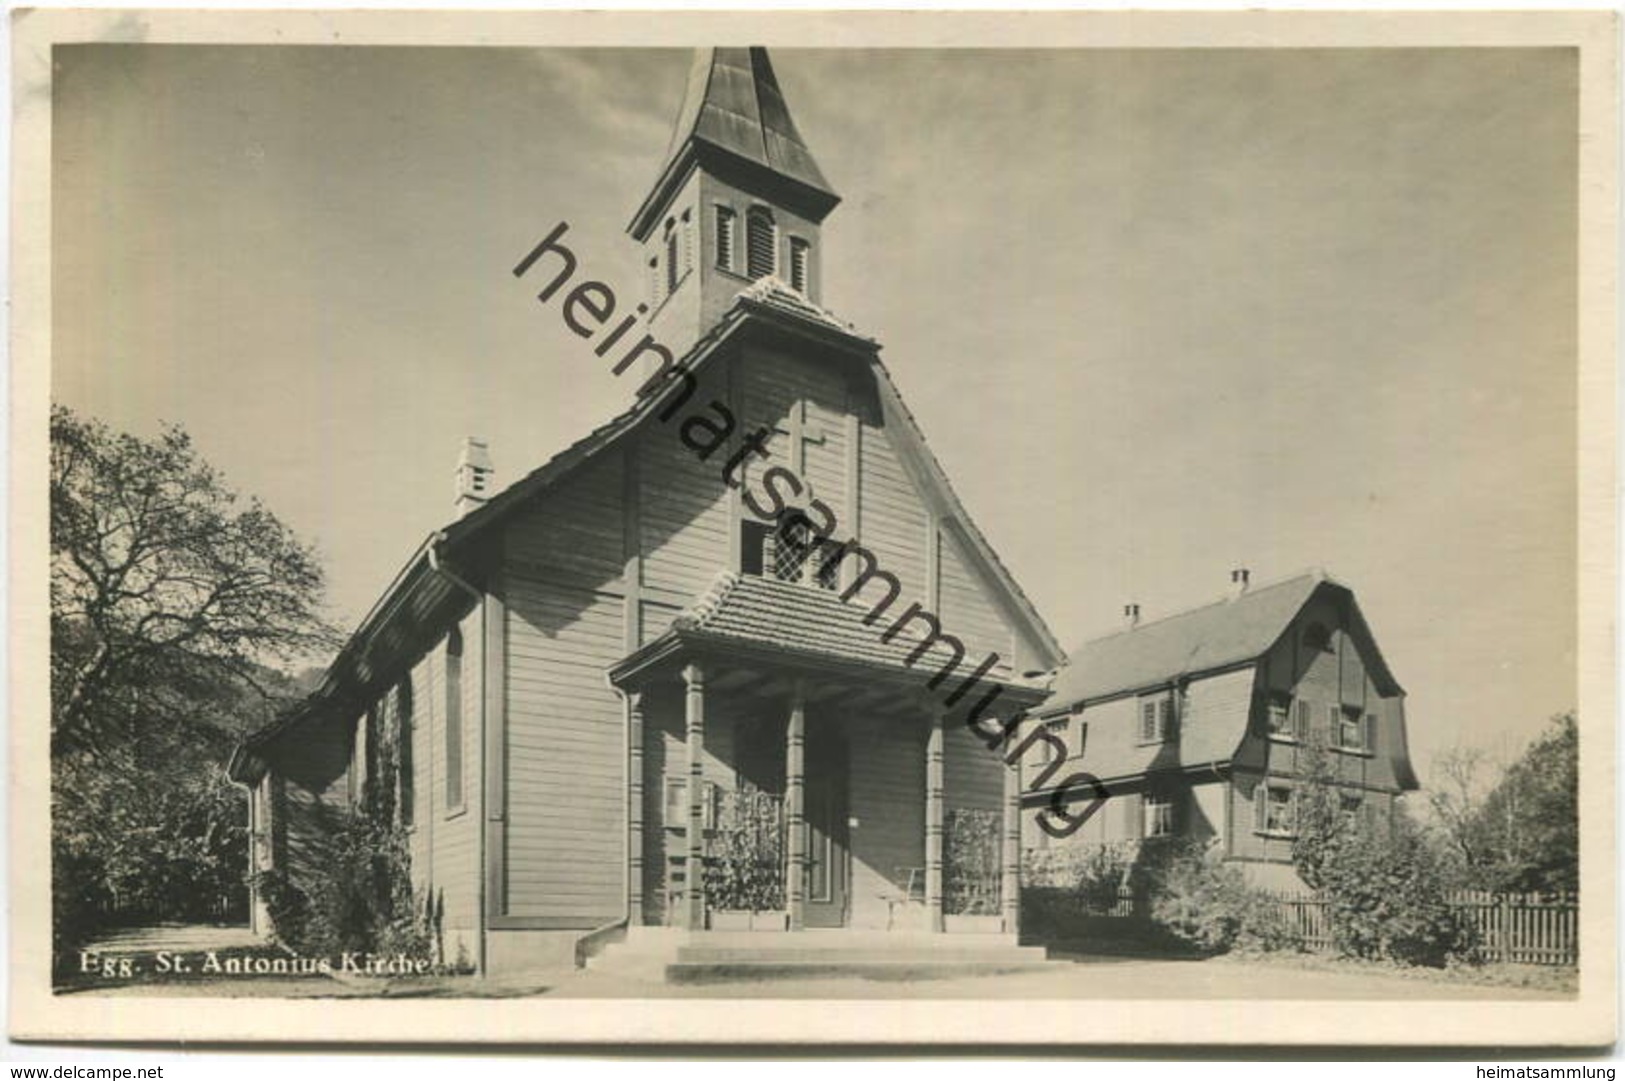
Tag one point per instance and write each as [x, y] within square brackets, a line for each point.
[1148, 720]
[1334, 723]
[688, 242]
[1302, 732]
[1166, 708]
[1261, 798]
[1370, 732]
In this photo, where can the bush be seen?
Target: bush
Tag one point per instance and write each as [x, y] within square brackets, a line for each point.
[1093, 873]
[971, 869]
[1385, 902]
[745, 857]
[1206, 903]
[1381, 880]
[361, 900]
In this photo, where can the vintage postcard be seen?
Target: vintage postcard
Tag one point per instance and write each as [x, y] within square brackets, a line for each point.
[1097, 525]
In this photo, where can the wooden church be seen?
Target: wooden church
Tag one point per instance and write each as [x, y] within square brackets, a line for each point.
[738, 660]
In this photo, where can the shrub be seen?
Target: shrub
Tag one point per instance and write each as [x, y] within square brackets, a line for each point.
[745, 857]
[361, 900]
[971, 870]
[1206, 903]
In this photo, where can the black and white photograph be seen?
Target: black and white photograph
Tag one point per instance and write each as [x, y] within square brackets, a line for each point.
[781, 519]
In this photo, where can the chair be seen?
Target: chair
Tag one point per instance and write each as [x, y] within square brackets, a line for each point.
[913, 889]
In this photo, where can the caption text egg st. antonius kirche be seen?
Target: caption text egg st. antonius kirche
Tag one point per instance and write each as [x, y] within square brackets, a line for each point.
[740, 625]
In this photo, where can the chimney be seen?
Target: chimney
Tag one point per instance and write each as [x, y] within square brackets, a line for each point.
[1238, 581]
[1131, 616]
[473, 485]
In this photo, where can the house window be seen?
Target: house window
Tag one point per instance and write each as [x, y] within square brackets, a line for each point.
[1159, 816]
[800, 255]
[454, 721]
[1275, 810]
[761, 243]
[1349, 729]
[1156, 718]
[1280, 719]
[726, 227]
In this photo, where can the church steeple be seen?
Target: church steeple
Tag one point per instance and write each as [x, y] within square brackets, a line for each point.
[740, 197]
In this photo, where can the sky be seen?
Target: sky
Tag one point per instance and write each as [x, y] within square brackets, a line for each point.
[1160, 313]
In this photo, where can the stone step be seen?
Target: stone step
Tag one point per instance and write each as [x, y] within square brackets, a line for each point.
[917, 968]
[794, 953]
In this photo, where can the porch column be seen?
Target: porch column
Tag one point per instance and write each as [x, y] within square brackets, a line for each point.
[795, 823]
[933, 824]
[694, 873]
[1010, 850]
[634, 809]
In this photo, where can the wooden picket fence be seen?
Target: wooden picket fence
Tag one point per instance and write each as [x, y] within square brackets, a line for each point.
[1517, 928]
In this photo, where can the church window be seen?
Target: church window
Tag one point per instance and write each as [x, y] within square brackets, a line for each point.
[791, 546]
[454, 721]
[687, 229]
[790, 552]
[406, 778]
[672, 264]
[800, 253]
[761, 243]
[725, 237]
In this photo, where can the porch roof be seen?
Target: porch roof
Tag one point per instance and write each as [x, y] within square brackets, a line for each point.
[801, 623]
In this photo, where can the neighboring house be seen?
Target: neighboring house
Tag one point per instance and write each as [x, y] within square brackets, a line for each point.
[1201, 725]
[566, 689]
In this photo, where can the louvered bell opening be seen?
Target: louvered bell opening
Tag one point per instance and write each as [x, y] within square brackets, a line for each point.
[725, 238]
[798, 265]
[760, 239]
[671, 263]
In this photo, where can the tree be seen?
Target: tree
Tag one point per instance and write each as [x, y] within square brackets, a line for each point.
[1527, 832]
[161, 577]
[171, 599]
[1514, 829]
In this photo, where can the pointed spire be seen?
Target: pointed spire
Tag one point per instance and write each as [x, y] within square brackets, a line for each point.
[734, 122]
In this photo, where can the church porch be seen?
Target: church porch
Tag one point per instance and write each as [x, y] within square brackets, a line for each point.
[822, 800]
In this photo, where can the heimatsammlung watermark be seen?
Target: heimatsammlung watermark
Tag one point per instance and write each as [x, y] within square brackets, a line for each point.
[589, 306]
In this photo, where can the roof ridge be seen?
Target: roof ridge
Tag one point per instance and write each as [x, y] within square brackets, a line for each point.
[708, 602]
[1315, 573]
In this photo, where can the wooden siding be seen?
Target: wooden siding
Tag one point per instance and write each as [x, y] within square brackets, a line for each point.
[310, 797]
[454, 856]
[892, 511]
[973, 776]
[565, 775]
[683, 511]
[968, 611]
[888, 800]
[574, 537]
